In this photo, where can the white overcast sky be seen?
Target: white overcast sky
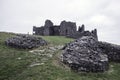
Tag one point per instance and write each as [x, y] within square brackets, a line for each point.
[20, 15]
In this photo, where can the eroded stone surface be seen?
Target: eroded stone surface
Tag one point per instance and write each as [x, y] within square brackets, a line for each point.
[112, 50]
[25, 42]
[84, 54]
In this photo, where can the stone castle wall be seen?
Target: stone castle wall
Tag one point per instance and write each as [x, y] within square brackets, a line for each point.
[68, 29]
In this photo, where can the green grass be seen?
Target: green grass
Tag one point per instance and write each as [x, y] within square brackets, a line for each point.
[13, 68]
[57, 40]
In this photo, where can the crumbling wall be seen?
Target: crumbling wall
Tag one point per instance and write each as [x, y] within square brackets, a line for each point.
[48, 28]
[56, 30]
[38, 30]
[81, 29]
[65, 28]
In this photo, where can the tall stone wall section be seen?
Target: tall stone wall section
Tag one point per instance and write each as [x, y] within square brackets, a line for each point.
[38, 30]
[67, 28]
[47, 29]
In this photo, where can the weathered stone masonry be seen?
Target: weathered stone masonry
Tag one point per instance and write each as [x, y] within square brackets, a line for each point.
[68, 29]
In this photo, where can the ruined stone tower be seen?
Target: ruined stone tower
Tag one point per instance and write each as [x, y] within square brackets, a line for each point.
[67, 28]
[48, 28]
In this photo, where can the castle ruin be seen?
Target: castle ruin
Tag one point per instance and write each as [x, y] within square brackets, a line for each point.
[68, 29]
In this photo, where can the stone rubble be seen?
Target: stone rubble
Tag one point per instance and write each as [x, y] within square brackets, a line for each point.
[36, 64]
[25, 42]
[84, 54]
[90, 55]
[44, 54]
[112, 50]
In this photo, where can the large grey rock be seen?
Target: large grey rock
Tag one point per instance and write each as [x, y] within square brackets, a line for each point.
[25, 42]
[84, 54]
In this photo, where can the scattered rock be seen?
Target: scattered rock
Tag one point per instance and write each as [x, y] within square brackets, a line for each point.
[36, 64]
[56, 48]
[37, 51]
[44, 55]
[59, 47]
[25, 42]
[19, 58]
[52, 48]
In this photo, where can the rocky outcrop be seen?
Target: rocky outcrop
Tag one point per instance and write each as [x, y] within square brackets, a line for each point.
[25, 42]
[84, 54]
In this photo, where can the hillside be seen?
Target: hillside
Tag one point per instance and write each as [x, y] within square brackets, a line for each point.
[43, 63]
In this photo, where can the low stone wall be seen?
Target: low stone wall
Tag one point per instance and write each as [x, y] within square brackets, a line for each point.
[112, 50]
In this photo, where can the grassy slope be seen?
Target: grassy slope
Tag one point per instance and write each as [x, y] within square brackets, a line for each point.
[13, 68]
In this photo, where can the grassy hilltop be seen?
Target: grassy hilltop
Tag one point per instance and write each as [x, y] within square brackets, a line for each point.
[20, 64]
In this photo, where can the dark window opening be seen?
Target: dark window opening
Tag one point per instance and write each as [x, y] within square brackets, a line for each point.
[66, 32]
